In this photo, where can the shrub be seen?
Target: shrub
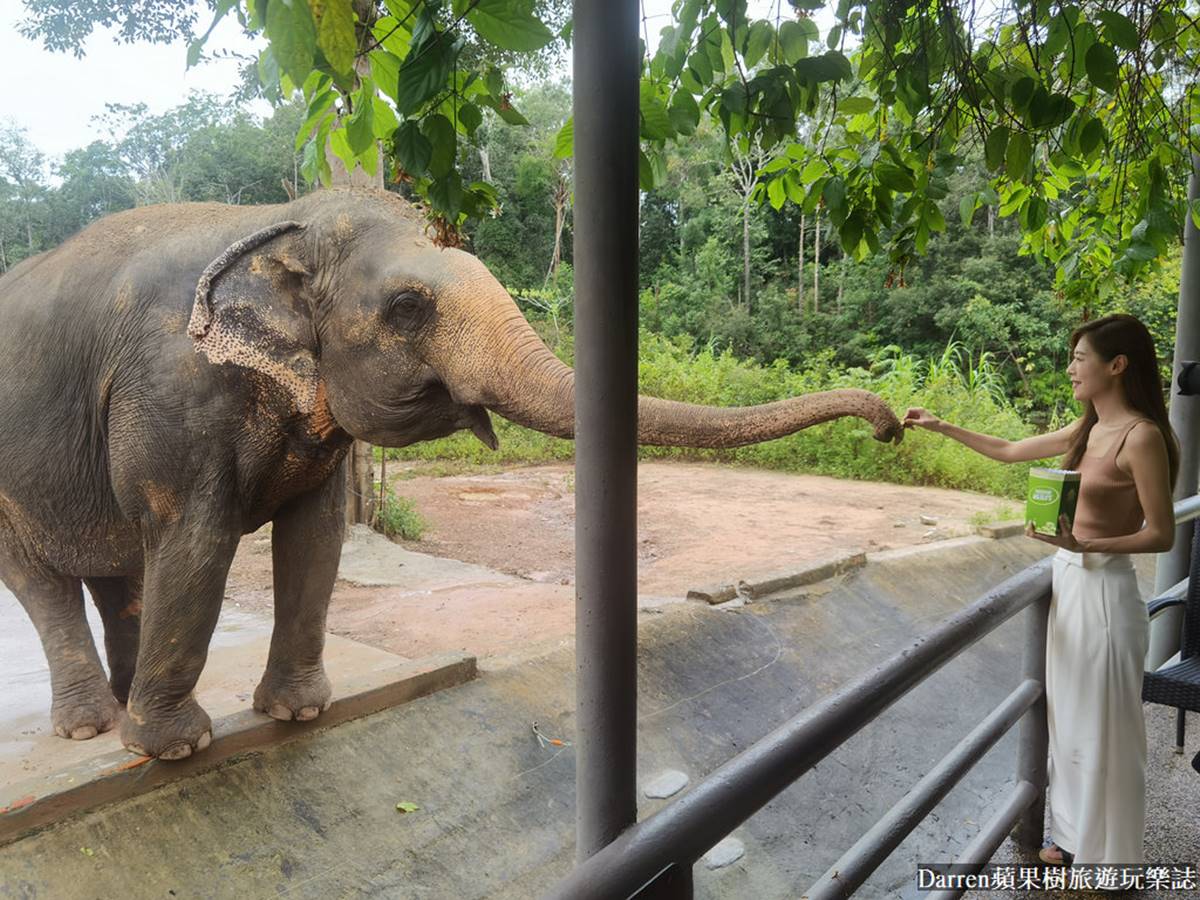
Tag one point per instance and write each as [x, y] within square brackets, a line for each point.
[398, 517]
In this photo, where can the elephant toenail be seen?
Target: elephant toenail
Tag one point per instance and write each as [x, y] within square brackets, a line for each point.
[280, 712]
[85, 733]
[136, 749]
[177, 751]
[308, 712]
[205, 740]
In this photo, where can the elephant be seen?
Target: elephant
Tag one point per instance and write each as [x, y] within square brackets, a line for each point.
[176, 376]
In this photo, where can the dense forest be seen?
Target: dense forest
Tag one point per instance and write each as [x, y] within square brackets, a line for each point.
[740, 302]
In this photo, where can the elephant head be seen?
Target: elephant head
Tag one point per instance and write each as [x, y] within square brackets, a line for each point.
[343, 301]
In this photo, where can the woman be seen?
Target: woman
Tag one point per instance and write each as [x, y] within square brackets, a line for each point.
[1098, 629]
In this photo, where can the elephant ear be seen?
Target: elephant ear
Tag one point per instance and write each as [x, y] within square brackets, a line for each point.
[249, 311]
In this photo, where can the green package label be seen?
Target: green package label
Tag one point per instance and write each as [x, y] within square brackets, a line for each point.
[1052, 493]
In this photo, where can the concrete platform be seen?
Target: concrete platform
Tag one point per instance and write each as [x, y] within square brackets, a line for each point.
[495, 808]
[44, 777]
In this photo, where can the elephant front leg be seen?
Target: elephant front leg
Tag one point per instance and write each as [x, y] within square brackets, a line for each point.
[306, 545]
[183, 587]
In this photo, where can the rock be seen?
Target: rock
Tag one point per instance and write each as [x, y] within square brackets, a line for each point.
[726, 853]
[929, 520]
[667, 784]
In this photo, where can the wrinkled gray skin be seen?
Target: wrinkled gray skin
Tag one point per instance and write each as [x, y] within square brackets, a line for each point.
[175, 376]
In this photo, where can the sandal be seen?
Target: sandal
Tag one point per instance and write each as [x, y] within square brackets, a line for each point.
[1053, 855]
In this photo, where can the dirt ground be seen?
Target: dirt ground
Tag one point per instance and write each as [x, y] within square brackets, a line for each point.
[698, 524]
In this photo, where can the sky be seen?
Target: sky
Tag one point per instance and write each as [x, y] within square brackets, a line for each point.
[55, 96]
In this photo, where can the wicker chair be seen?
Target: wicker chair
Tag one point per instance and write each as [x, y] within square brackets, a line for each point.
[1178, 685]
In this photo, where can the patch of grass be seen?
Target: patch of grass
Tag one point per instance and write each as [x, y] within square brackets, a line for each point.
[1004, 512]
[399, 518]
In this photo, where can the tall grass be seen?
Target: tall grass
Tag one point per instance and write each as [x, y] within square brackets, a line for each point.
[960, 388]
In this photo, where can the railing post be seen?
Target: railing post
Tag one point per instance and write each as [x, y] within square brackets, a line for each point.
[1172, 566]
[606, 68]
[1034, 741]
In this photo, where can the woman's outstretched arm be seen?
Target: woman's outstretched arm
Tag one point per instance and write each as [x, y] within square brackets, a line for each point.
[1054, 443]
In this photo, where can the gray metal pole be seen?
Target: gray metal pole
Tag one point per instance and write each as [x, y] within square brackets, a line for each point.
[1185, 411]
[1034, 743]
[606, 258]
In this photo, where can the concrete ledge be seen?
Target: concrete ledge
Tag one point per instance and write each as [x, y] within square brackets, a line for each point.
[1000, 529]
[819, 570]
[119, 775]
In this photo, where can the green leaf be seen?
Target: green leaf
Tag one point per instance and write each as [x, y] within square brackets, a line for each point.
[776, 192]
[385, 118]
[317, 111]
[932, 215]
[424, 72]
[412, 149]
[1091, 137]
[407, 807]
[339, 142]
[757, 42]
[684, 112]
[813, 169]
[854, 105]
[1194, 207]
[1023, 90]
[656, 124]
[1033, 214]
[734, 98]
[834, 196]
[268, 74]
[794, 40]
[293, 37]
[360, 129]
[510, 24]
[645, 172]
[1020, 151]
[385, 72]
[469, 117]
[1118, 29]
[446, 194]
[564, 141]
[392, 36]
[966, 208]
[444, 143]
[1101, 64]
[494, 82]
[335, 34]
[995, 146]
[894, 178]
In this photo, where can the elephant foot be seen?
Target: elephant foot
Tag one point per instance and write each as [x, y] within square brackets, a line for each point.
[173, 733]
[85, 710]
[287, 697]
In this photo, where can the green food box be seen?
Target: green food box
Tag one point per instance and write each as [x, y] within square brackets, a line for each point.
[1052, 493]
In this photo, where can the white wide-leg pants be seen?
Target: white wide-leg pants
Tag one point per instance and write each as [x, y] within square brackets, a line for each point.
[1095, 653]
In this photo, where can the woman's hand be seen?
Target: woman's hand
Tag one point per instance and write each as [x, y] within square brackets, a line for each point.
[1064, 538]
[921, 418]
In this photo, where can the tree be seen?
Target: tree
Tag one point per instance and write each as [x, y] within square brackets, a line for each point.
[22, 172]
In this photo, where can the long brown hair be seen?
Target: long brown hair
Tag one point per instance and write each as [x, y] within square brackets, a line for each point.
[1126, 335]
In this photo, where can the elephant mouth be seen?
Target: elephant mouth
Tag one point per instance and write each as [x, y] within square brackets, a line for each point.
[427, 413]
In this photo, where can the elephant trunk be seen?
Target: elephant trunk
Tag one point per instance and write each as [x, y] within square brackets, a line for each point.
[532, 387]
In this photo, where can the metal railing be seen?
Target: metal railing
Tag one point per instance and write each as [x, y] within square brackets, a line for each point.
[653, 858]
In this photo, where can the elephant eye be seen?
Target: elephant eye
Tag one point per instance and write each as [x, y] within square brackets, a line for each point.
[408, 310]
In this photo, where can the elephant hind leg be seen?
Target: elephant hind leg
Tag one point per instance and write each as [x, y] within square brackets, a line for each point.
[119, 601]
[83, 704]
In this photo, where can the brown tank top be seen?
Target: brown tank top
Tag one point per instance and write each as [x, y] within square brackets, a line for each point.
[1108, 501]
